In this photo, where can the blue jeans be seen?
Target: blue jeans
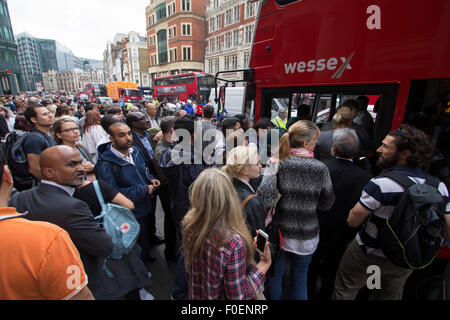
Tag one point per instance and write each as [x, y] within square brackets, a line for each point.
[298, 277]
[179, 289]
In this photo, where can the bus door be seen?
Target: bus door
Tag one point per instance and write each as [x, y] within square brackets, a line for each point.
[323, 102]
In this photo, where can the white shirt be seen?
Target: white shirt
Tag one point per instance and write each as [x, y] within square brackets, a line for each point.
[120, 155]
[67, 189]
[92, 139]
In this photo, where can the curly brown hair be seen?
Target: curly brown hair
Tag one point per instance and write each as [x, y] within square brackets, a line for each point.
[416, 141]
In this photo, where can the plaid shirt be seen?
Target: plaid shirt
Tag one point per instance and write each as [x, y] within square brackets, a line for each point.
[225, 275]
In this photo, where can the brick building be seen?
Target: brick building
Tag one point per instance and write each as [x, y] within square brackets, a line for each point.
[230, 27]
[175, 36]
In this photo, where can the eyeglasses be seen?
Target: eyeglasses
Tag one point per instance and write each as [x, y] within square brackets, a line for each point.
[71, 130]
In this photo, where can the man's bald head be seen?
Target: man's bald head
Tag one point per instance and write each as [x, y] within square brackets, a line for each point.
[63, 165]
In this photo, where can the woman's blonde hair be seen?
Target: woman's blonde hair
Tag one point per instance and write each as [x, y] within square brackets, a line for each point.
[239, 160]
[344, 117]
[299, 133]
[215, 216]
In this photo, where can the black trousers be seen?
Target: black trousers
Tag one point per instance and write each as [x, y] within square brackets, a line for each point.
[170, 231]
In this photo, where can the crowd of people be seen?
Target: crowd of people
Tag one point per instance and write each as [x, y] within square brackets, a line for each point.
[320, 196]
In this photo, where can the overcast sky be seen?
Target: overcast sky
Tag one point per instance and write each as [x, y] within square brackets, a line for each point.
[83, 26]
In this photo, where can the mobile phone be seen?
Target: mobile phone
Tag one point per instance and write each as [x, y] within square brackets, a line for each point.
[261, 241]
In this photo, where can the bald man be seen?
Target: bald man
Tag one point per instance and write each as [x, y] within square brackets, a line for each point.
[52, 201]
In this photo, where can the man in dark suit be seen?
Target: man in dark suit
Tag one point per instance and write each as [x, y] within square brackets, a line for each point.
[52, 201]
[348, 182]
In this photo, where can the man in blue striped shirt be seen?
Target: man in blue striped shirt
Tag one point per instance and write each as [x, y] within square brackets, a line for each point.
[404, 151]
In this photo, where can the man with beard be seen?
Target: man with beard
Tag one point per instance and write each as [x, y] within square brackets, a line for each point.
[124, 167]
[53, 202]
[403, 151]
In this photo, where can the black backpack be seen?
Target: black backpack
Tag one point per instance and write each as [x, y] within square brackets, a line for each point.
[16, 157]
[412, 236]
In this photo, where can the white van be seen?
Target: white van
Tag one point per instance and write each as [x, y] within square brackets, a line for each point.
[234, 100]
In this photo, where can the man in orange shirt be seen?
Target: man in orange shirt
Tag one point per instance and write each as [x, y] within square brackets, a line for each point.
[39, 260]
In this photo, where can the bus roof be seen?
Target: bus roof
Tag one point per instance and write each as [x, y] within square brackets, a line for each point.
[337, 42]
[185, 74]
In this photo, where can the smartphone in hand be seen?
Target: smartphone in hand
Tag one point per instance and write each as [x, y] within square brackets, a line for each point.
[261, 241]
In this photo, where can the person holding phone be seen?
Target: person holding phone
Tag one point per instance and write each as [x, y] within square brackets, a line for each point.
[217, 244]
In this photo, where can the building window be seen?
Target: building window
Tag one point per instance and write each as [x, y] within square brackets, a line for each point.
[185, 29]
[161, 12]
[246, 59]
[237, 14]
[187, 53]
[212, 23]
[218, 22]
[211, 45]
[153, 60]
[185, 5]
[210, 66]
[172, 32]
[173, 55]
[219, 43]
[228, 17]
[249, 10]
[151, 40]
[171, 8]
[235, 38]
[216, 65]
[227, 63]
[234, 62]
[248, 34]
[227, 40]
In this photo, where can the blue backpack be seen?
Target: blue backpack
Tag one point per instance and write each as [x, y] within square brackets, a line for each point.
[120, 224]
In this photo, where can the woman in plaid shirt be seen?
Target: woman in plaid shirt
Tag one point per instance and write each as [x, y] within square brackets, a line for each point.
[219, 251]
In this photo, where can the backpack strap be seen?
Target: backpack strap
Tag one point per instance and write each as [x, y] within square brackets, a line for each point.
[433, 182]
[401, 179]
[250, 197]
[99, 193]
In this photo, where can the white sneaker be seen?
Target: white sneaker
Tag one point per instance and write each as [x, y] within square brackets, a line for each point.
[145, 295]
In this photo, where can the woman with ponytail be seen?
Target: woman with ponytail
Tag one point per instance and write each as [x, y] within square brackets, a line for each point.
[304, 185]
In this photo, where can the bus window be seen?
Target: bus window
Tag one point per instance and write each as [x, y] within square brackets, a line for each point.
[323, 111]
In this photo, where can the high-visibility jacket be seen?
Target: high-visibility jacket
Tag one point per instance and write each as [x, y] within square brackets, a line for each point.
[279, 123]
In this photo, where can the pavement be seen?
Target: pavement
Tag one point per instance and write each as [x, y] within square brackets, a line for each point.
[163, 272]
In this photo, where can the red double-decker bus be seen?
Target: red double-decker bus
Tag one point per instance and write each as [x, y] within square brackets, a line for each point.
[323, 52]
[194, 86]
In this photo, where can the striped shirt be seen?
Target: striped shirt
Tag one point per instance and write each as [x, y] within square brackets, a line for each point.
[381, 195]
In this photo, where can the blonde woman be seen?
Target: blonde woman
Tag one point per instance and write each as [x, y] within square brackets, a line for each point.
[304, 184]
[218, 247]
[243, 164]
[343, 118]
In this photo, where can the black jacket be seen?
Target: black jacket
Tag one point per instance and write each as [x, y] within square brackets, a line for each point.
[181, 177]
[137, 143]
[54, 205]
[348, 182]
[253, 210]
